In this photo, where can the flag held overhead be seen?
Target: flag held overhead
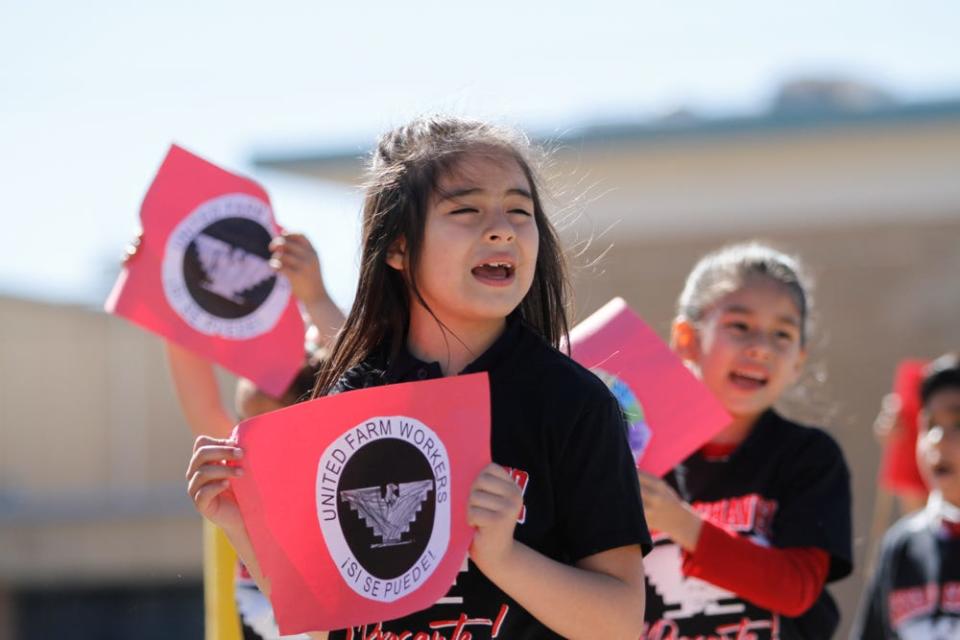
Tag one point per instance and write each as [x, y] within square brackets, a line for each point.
[200, 276]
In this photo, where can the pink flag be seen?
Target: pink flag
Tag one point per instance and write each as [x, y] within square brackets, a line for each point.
[356, 504]
[898, 466]
[201, 277]
[670, 414]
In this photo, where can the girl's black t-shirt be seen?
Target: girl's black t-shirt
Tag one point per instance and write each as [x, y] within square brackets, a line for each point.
[561, 433]
[786, 485]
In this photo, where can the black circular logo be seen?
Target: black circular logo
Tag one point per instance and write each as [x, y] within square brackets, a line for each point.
[226, 270]
[383, 504]
[387, 505]
[216, 269]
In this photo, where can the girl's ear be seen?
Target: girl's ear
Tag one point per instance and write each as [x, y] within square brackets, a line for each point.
[397, 254]
[799, 362]
[685, 340]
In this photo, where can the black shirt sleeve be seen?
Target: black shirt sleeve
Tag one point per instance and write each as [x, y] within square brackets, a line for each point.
[597, 491]
[816, 502]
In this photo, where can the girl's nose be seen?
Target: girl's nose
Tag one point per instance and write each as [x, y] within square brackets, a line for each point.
[759, 347]
[500, 229]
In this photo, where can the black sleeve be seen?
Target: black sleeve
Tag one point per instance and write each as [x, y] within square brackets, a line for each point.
[815, 505]
[597, 491]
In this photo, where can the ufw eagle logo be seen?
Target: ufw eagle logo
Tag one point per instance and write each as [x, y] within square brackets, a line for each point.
[389, 511]
[230, 270]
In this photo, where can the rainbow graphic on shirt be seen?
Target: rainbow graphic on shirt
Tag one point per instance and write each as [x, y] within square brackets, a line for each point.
[638, 431]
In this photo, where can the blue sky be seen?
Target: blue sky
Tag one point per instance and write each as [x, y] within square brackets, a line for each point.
[91, 95]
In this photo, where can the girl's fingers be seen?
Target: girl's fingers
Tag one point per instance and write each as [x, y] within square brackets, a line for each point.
[206, 494]
[293, 243]
[211, 473]
[221, 455]
[215, 453]
[478, 517]
[493, 496]
[203, 441]
[497, 488]
[216, 472]
[495, 480]
[492, 502]
[301, 249]
[297, 241]
[223, 452]
[496, 470]
[289, 262]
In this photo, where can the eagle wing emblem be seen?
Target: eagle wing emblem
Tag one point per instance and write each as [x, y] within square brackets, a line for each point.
[391, 511]
[230, 270]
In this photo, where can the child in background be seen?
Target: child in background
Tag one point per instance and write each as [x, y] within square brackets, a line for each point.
[748, 530]
[462, 272]
[199, 395]
[915, 592]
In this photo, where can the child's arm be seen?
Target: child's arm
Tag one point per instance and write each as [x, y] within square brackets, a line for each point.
[740, 565]
[602, 597]
[193, 381]
[711, 552]
[295, 257]
[198, 393]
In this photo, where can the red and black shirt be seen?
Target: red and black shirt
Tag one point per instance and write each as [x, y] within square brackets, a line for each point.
[787, 487]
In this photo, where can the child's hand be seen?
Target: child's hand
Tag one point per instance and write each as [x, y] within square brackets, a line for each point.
[667, 513]
[295, 257]
[208, 481]
[493, 506]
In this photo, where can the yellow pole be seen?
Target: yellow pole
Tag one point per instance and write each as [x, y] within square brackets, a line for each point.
[221, 621]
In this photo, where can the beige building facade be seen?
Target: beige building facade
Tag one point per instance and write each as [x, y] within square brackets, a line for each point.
[93, 451]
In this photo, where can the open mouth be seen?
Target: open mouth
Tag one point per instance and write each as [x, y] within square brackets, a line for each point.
[496, 273]
[748, 380]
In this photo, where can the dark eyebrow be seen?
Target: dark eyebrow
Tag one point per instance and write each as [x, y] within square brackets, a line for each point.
[736, 308]
[467, 191]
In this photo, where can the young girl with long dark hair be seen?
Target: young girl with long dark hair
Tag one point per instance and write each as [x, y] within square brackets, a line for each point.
[462, 272]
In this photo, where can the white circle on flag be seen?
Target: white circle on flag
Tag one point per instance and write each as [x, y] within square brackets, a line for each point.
[383, 503]
[215, 271]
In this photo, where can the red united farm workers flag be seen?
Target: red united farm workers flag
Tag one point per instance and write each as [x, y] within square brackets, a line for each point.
[898, 466]
[201, 277]
[356, 504]
[670, 414]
